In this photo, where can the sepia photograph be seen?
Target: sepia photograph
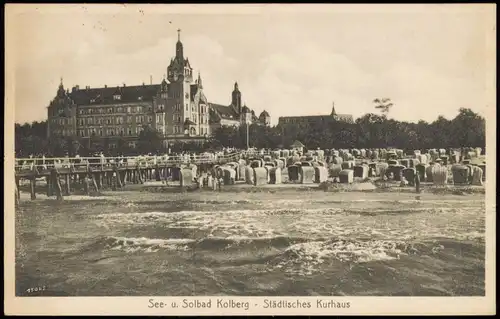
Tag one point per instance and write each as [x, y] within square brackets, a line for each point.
[250, 158]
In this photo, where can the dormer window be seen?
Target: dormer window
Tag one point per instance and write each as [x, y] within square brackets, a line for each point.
[139, 98]
[117, 97]
[92, 101]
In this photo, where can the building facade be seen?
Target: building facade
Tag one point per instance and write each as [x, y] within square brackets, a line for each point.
[177, 108]
[316, 119]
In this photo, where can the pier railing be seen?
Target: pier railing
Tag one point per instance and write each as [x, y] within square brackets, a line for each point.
[126, 161]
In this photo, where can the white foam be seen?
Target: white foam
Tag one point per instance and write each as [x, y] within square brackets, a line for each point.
[310, 255]
[442, 222]
[149, 245]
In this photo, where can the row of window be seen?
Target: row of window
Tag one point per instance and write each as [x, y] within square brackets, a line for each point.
[62, 121]
[64, 132]
[116, 131]
[116, 109]
[176, 94]
[115, 145]
[177, 108]
[110, 132]
[115, 120]
[177, 118]
[137, 109]
[187, 71]
[294, 120]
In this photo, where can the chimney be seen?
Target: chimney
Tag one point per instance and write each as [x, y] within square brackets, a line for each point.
[124, 85]
[105, 86]
[151, 79]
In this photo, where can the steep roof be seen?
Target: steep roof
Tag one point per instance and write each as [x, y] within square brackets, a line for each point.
[264, 114]
[345, 118]
[225, 112]
[128, 94]
[245, 109]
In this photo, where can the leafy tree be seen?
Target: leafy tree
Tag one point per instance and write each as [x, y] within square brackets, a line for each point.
[468, 129]
[150, 141]
[384, 105]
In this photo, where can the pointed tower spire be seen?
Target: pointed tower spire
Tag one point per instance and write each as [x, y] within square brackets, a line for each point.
[200, 84]
[333, 109]
[179, 54]
[61, 91]
[236, 98]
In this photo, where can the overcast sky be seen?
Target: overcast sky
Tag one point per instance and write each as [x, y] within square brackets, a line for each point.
[295, 60]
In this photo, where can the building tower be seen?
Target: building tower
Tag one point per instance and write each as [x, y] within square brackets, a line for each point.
[200, 84]
[179, 50]
[61, 92]
[236, 98]
[334, 113]
[180, 77]
[265, 118]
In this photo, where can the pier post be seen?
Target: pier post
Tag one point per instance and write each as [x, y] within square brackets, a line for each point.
[101, 179]
[67, 186]
[165, 175]
[86, 185]
[114, 180]
[97, 180]
[118, 178]
[123, 178]
[50, 190]
[139, 175]
[18, 193]
[157, 173]
[94, 183]
[32, 187]
[109, 178]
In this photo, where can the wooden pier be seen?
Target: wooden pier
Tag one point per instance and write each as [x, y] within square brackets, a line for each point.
[63, 175]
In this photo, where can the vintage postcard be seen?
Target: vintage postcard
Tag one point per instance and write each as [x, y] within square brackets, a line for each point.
[257, 159]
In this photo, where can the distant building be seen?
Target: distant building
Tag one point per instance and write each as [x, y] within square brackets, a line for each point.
[177, 108]
[316, 119]
[235, 113]
[265, 118]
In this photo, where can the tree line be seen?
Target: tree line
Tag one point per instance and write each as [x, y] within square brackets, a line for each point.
[467, 129]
